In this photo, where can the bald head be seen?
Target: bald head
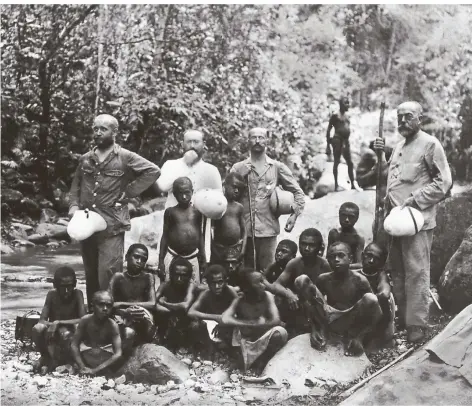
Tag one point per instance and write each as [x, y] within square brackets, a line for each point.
[409, 116]
[411, 106]
[110, 121]
[101, 295]
[258, 131]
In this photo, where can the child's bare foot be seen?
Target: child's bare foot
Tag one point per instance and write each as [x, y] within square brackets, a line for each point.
[41, 362]
[354, 348]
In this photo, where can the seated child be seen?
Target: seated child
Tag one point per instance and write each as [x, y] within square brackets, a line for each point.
[311, 264]
[350, 307]
[174, 298]
[373, 261]
[211, 304]
[256, 322]
[97, 345]
[348, 216]
[285, 251]
[229, 240]
[182, 232]
[63, 308]
[134, 294]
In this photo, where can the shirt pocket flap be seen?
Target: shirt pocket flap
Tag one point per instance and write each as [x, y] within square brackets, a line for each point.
[410, 172]
[114, 172]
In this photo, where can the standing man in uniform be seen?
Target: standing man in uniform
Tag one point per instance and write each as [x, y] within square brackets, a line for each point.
[419, 177]
[106, 177]
[264, 174]
[340, 141]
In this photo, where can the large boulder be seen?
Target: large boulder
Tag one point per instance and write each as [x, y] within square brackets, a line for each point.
[455, 285]
[155, 365]
[326, 183]
[298, 361]
[56, 231]
[30, 207]
[48, 216]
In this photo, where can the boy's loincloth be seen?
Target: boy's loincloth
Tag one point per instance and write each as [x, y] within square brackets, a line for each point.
[220, 252]
[192, 258]
[251, 350]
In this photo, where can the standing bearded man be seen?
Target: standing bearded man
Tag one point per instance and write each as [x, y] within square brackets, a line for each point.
[106, 177]
[264, 174]
[418, 176]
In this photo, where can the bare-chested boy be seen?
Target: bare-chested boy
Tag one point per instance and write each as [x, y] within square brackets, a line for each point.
[62, 310]
[350, 307]
[229, 241]
[373, 261]
[286, 250]
[174, 298]
[182, 232]
[97, 345]
[134, 294]
[211, 304]
[348, 216]
[256, 321]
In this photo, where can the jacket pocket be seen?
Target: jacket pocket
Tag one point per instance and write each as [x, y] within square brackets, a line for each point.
[114, 172]
[410, 172]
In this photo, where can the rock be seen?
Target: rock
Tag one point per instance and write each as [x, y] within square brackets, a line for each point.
[455, 284]
[121, 388]
[48, 215]
[25, 227]
[23, 367]
[154, 364]
[298, 361]
[56, 231]
[63, 369]
[17, 232]
[110, 384]
[326, 183]
[196, 364]
[30, 207]
[23, 243]
[192, 396]
[120, 380]
[40, 381]
[45, 204]
[218, 376]
[53, 244]
[63, 221]
[189, 383]
[228, 385]
[26, 188]
[234, 378]
[209, 363]
[5, 249]
[186, 361]
[39, 239]
[99, 381]
[11, 196]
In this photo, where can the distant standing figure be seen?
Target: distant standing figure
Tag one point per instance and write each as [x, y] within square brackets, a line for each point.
[465, 116]
[106, 177]
[340, 141]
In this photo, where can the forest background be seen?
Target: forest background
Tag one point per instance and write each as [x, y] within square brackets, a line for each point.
[161, 69]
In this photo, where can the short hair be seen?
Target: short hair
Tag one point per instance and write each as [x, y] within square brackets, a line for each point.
[291, 245]
[383, 252]
[179, 261]
[214, 270]
[109, 119]
[133, 247]
[63, 272]
[101, 293]
[349, 206]
[235, 177]
[312, 232]
[243, 277]
[342, 99]
[340, 243]
[183, 180]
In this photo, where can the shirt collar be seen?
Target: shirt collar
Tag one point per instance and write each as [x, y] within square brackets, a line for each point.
[116, 149]
[269, 160]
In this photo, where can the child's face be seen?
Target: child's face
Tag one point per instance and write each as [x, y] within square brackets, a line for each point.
[217, 283]
[256, 285]
[102, 306]
[233, 191]
[66, 287]
[283, 254]
[372, 258]
[136, 260]
[339, 259]
[183, 193]
[180, 275]
[348, 218]
[309, 246]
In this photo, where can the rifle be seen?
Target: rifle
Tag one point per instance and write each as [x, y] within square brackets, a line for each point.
[378, 203]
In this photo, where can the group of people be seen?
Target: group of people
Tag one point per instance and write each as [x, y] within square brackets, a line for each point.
[254, 293]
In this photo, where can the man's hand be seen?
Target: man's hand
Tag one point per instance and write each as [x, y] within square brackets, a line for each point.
[72, 210]
[379, 144]
[410, 202]
[293, 303]
[161, 271]
[122, 200]
[290, 222]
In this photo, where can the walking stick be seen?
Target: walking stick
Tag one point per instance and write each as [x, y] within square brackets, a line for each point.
[251, 217]
[378, 203]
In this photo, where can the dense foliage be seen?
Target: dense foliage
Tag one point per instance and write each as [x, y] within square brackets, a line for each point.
[164, 68]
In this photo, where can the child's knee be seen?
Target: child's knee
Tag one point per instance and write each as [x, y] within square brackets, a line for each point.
[278, 339]
[370, 300]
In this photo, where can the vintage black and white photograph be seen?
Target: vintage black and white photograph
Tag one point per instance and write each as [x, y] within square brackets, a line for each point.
[236, 204]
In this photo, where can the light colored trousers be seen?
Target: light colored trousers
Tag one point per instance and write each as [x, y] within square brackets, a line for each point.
[409, 262]
[265, 252]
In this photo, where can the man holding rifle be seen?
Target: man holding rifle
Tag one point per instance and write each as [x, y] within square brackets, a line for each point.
[418, 176]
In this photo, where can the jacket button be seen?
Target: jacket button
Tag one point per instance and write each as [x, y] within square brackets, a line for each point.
[94, 205]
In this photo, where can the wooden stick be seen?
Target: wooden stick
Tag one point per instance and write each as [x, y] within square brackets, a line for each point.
[378, 203]
[435, 301]
[351, 390]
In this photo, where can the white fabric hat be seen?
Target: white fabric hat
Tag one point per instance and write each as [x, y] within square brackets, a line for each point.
[84, 223]
[403, 222]
[211, 203]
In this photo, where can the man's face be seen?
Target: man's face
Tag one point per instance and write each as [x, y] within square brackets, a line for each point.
[257, 140]
[283, 254]
[344, 103]
[180, 276]
[183, 193]
[409, 120]
[233, 190]
[194, 140]
[348, 218]
[66, 287]
[136, 260]
[339, 259]
[372, 258]
[102, 306]
[256, 285]
[103, 133]
[309, 246]
[217, 283]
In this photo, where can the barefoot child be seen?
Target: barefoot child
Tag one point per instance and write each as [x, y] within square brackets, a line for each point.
[229, 240]
[182, 235]
[285, 251]
[97, 345]
[348, 216]
[211, 304]
[174, 298]
[63, 308]
[256, 322]
[134, 295]
[350, 308]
